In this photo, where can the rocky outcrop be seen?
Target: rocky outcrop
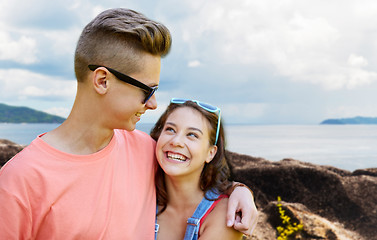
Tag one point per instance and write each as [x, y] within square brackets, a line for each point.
[314, 226]
[7, 150]
[331, 203]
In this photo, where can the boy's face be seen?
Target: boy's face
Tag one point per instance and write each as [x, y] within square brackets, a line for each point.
[125, 101]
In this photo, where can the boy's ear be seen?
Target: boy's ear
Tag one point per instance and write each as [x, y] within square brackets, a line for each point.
[100, 81]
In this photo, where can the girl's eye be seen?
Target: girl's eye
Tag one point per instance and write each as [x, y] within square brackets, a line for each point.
[193, 135]
[169, 129]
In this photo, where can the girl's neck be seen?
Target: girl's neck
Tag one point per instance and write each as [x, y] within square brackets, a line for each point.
[183, 194]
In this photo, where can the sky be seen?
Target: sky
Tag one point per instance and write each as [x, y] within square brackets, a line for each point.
[261, 62]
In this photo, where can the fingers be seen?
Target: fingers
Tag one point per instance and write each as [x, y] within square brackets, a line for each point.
[246, 218]
[231, 212]
[247, 226]
[242, 213]
[241, 225]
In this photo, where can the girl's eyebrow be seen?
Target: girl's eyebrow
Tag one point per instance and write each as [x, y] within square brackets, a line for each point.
[196, 129]
[170, 123]
[190, 128]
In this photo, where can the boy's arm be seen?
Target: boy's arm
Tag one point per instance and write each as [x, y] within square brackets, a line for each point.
[242, 213]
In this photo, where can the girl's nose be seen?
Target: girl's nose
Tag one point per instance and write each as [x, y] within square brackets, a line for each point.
[177, 141]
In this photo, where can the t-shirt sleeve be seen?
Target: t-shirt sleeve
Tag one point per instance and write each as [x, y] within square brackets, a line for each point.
[14, 218]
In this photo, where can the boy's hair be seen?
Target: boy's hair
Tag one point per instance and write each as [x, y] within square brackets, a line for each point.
[215, 174]
[117, 38]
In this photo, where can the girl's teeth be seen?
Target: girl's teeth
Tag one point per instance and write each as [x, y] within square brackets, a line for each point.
[176, 157]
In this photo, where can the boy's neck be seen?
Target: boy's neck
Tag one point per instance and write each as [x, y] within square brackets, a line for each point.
[78, 135]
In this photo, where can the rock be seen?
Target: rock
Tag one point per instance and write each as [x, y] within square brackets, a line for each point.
[7, 150]
[368, 171]
[314, 226]
[323, 197]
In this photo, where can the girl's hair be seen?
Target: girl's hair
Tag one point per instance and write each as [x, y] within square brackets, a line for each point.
[215, 174]
[117, 38]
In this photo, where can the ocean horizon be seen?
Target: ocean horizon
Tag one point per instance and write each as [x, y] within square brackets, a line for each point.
[348, 147]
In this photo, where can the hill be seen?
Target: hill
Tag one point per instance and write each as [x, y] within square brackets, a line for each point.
[11, 114]
[355, 120]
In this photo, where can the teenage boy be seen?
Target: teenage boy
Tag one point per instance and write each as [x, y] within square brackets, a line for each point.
[93, 176]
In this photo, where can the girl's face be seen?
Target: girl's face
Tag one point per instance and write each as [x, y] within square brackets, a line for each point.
[183, 146]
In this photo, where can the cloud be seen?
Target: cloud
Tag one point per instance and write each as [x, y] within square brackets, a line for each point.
[302, 43]
[357, 61]
[21, 49]
[39, 14]
[194, 63]
[261, 61]
[59, 111]
[351, 110]
[250, 113]
[62, 43]
[19, 84]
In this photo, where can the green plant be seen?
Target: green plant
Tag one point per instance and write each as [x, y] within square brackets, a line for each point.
[286, 229]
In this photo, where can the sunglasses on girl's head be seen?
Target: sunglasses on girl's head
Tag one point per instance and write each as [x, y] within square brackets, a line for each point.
[205, 106]
[148, 91]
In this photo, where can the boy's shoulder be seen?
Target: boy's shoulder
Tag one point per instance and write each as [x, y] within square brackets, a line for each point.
[16, 170]
[135, 134]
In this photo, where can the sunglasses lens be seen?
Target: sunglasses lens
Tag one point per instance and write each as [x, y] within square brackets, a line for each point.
[207, 106]
[179, 100]
[148, 95]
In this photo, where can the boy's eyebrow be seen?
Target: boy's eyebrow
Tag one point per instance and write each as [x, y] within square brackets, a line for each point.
[190, 128]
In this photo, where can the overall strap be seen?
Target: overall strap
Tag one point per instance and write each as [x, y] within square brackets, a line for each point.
[193, 223]
[156, 226]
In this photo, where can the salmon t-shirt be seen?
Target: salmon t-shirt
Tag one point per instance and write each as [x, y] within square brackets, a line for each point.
[49, 194]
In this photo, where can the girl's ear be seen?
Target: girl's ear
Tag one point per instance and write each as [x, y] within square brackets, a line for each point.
[211, 153]
[100, 80]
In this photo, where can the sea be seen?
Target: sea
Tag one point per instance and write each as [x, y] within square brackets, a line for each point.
[348, 147]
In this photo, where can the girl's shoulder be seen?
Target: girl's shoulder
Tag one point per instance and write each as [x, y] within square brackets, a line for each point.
[214, 225]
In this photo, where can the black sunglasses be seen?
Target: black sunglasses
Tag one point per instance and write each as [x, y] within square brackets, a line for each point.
[149, 91]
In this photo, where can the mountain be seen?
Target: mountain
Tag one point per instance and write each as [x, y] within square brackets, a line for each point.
[11, 114]
[355, 120]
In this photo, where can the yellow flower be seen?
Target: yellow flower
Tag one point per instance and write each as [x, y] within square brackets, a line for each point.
[287, 229]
